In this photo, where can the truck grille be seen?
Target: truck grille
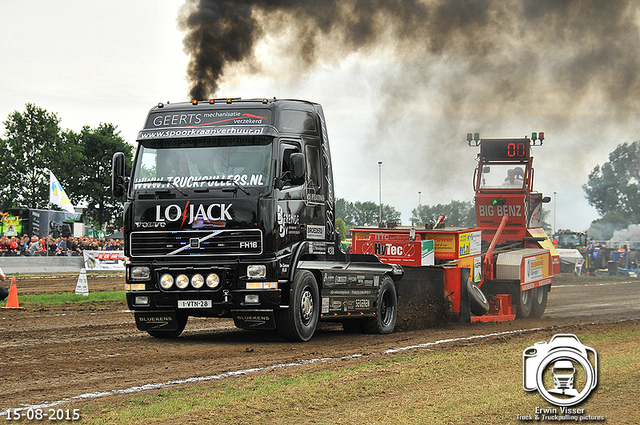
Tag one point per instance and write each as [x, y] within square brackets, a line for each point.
[196, 242]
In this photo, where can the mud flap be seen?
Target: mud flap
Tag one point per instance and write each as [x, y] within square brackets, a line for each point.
[421, 301]
[157, 321]
[254, 319]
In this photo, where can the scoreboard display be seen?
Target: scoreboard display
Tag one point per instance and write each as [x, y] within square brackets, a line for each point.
[505, 149]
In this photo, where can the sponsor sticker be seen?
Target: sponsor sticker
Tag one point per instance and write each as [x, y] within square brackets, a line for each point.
[315, 232]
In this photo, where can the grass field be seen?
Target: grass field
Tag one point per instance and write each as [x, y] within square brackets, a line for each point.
[478, 382]
[61, 299]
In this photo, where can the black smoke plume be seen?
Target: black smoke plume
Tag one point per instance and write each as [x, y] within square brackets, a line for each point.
[439, 69]
[514, 48]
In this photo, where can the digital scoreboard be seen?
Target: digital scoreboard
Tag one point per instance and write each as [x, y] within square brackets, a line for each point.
[505, 149]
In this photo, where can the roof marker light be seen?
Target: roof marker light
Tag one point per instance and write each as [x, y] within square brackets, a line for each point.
[160, 105]
[228, 101]
[194, 102]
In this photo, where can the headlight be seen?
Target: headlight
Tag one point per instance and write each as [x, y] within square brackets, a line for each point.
[256, 271]
[140, 273]
[197, 281]
[213, 280]
[141, 300]
[182, 281]
[166, 281]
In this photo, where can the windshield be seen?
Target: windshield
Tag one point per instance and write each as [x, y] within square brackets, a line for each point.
[570, 240]
[203, 163]
[501, 176]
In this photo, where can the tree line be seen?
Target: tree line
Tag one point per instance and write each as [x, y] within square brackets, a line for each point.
[352, 214]
[34, 143]
[613, 189]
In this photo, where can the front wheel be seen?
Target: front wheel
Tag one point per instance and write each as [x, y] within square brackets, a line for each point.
[384, 322]
[298, 322]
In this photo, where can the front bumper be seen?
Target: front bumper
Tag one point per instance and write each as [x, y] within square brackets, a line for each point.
[208, 303]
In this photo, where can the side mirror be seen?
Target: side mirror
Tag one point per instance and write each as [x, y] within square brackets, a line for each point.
[297, 163]
[117, 175]
[546, 199]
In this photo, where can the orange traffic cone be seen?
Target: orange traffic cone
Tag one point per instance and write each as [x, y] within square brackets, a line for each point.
[12, 301]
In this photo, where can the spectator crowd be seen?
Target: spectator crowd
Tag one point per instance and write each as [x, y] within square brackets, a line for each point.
[70, 246]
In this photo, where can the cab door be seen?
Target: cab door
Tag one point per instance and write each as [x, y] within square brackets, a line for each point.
[289, 197]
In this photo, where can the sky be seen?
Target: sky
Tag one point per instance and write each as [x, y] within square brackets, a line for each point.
[406, 95]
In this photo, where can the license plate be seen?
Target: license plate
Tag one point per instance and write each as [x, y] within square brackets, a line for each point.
[194, 304]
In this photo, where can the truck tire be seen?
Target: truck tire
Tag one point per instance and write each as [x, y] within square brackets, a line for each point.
[477, 300]
[298, 322]
[539, 301]
[384, 322]
[525, 304]
[182, 322]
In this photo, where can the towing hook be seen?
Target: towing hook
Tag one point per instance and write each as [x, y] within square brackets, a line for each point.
[226, 295]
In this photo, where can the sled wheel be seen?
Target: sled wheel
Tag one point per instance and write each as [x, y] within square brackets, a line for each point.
[525, 304]
[384, 322]
[477, 300]
[298, 322]
[539, 301]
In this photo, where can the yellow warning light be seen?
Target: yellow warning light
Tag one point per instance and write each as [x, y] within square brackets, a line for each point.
[160, 105]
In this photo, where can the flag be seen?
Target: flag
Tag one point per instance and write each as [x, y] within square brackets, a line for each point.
[57, 195]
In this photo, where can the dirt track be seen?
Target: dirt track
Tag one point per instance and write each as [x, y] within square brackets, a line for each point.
[50, 354]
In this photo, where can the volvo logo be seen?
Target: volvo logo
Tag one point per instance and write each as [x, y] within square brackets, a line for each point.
[149, 224]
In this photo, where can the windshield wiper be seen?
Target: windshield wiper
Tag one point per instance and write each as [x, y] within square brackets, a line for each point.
[164, 181]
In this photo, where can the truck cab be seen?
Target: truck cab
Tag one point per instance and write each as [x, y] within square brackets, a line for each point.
[229, 212]
[503, 184]
[521, 260]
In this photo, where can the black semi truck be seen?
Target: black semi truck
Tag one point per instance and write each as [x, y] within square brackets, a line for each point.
[229, 212]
